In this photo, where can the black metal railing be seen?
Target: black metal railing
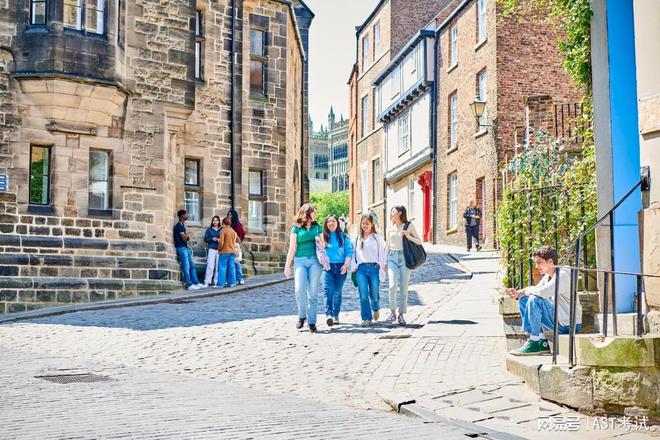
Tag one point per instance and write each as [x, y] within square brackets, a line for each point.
[608, 276]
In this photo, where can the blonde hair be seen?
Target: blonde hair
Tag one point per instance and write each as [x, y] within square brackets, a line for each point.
[304, 212]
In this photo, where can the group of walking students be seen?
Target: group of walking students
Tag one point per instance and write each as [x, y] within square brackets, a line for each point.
[316, 250]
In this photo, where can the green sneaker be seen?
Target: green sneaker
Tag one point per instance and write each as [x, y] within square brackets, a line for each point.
[532, 348]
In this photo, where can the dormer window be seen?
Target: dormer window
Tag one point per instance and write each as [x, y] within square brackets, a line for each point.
[85, 15]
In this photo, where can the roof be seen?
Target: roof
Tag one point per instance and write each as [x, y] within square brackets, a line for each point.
[358, 29]
[304, 6]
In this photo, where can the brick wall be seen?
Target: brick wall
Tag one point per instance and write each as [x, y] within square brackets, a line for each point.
[409, 16]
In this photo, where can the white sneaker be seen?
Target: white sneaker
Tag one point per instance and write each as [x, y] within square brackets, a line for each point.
[241, 282]
[204, 286]
[194, 287]
[365, 324]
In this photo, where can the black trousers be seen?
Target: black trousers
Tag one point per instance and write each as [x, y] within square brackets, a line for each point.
[472, 233]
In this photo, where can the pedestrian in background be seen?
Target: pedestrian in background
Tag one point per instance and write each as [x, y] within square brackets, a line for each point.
[181, 239]
[472, 216]
[240, 231]
[370, 258]
[340, 252]
[227, 255]
[397, 272]
[211, 237]
[306, 267]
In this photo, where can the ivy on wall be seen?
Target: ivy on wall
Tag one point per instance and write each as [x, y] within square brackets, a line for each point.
[552, 198]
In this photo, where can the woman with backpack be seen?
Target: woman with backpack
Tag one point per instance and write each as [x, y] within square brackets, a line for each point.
[306, 267]
[398, 273]
[369, 259]
[340, 252]
[211, 237]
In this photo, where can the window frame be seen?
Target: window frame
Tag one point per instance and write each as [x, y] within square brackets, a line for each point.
[364, 109]
[200, 39]
[453, 46]
[482, 93]
[194, 188]
[106, 210]
[377, 41]
[32, 9]
[259, 59]
[255, 199]
[453, 120]
[365, 52]
[482, 9]
[411, 198]
[375, 181]
[49, 149]
[401, 135]
[81, 22]
[396, 73]
[452, 201]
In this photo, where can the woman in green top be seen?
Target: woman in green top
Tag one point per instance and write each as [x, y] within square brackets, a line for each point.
[306, 267]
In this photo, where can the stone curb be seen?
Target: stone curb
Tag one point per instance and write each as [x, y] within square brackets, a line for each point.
[180, 295]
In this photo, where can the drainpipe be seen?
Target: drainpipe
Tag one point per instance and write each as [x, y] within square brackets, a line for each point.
[231, 106]
[434, 137]
[302, 129]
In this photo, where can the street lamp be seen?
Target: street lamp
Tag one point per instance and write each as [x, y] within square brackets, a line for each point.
[478, 106]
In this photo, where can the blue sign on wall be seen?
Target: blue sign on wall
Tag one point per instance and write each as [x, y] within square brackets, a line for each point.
[4, 182]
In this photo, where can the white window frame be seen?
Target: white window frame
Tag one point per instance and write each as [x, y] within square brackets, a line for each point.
[193, 191]
[375, 179]
[107, 199]
[453, 120]
[453, 50]
[365, 52]
[377, 42]
[481, 21]
[364, 109]
[395, 82]
[411, 198]
[452, 202]
[482, 91]
[256, 201]
[404, 132]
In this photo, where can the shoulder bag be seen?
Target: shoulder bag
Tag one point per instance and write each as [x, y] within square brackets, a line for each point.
[413, 253]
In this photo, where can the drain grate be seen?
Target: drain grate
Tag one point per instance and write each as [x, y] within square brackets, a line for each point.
[74, 378]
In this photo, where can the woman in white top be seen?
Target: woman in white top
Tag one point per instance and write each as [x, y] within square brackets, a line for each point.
[370, 257]
[398, 274]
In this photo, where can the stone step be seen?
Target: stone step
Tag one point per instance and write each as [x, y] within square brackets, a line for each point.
[626, 324]
[619, 351]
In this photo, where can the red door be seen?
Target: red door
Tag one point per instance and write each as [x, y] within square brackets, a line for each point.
[426, 182]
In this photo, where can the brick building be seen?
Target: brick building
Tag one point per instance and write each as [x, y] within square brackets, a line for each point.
[117, 114]
[382, 35]
[483, 56]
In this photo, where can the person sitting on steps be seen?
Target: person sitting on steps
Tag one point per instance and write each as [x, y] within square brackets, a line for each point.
[537, 307]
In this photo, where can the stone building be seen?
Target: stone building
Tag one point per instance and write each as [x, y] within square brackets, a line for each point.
[319, 160]
[117, 114]
[338, 150]
[381, 36]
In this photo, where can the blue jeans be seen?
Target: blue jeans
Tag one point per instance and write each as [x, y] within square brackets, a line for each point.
[333, 282]
[472, 234]
[538, 312]
[227, 269]
[187, 266]
[368, 283]
[399, 276]
[239, 271]
[307, 274]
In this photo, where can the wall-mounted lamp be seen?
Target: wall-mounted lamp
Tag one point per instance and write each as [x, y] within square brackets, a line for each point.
[478, 106]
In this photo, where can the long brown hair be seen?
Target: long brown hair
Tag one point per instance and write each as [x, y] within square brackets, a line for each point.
[370, 219]
[303, 216]
[338, 232]
[403, 213]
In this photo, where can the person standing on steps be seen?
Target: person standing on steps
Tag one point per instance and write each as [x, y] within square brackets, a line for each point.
[240, 230]
[472, 216]
[181, 239]
[306, 267]
[369, 259]
[227, 255]
[340, 253]
[398, 274]
[211, 237]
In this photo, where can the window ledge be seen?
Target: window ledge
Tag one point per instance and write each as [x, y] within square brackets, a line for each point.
[480, 133]
[259, 98]
[105, 213]
[452, 231]
[404, 152]
[41, 209]
[452, 67]
[480, 44]
[452, 149]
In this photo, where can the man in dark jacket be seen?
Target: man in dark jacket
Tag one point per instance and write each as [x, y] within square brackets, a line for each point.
[472, 216]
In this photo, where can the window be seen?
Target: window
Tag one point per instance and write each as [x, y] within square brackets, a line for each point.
[199, 45]
[121, 22]
[365, 52]
[481, 20]
[365, 115]
[404, 132]
[193, 189]
[452, 205]
[85, 15]
[395, 81]
[453, 50]
[411, 199]
[256, 200]
[38, 12]
[375, 179]
[482, 92]
[376, 39]
[453, 120]
[99, 180]
[258, 60]
[39, 175]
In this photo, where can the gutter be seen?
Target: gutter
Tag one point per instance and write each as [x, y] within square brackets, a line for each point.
[232, 69]
[434, 137]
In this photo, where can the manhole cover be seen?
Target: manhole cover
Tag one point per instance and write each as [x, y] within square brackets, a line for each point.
[75, 378]
[395, 337]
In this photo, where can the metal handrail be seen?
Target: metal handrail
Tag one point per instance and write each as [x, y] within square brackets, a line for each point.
[574, 270]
